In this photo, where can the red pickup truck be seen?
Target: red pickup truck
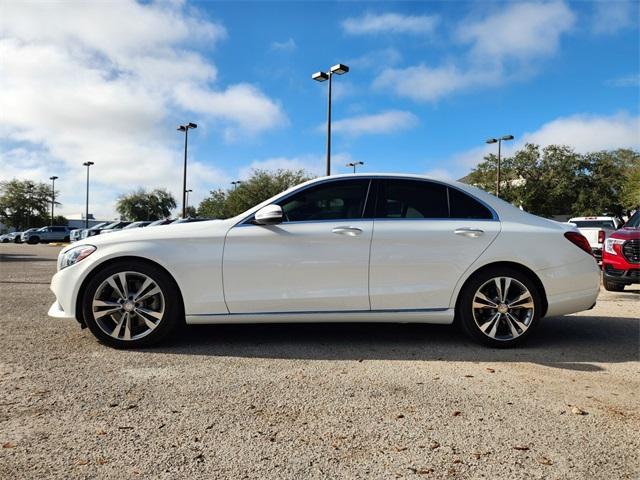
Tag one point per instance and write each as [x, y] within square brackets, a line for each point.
[621, 256]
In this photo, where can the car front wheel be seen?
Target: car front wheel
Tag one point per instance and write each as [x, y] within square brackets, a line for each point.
[132, 304]
[500, 307]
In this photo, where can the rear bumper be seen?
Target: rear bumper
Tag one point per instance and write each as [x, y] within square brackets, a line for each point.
[571, 288]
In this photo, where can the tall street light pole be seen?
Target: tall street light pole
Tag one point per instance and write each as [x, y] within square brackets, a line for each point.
[338, 69]
[354, 164]
[499, 142]
[53, 194]
[86, 213]
[235, 183]
[185, 128]
[188, 192]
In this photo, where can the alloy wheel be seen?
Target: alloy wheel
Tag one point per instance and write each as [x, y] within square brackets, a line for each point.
[128, 305]
[503, 308]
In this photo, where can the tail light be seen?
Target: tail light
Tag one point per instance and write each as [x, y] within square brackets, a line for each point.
[601, 236]
[579, 241]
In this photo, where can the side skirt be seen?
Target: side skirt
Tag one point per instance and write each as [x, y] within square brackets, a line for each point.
[438, 316]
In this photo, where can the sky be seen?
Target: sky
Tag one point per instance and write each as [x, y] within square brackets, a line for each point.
[109, 82]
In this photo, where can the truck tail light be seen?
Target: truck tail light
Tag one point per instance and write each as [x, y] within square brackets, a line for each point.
[579, 241]
[601, 236]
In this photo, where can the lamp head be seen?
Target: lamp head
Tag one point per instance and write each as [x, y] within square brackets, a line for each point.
[320, 76]
[492, 140]
[339, 69]
[507, 137]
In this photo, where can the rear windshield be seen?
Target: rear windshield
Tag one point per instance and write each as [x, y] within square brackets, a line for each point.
[594, 224]
[634, 221]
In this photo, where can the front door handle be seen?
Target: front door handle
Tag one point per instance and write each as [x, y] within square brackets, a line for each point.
[469, 232]
[349, 231]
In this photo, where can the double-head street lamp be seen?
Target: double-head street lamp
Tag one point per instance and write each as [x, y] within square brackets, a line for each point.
[499, 142]
[235, 183]
[86, 214]
[353, 164]
[338, 69]
[53, 194]
[185, 128]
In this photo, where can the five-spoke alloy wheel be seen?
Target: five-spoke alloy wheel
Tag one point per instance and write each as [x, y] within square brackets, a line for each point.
[499, 307]
[131, 305]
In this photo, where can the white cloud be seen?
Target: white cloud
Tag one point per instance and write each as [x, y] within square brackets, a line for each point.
[371, 23]
[632, 80]
[583, 132]
[313, 164]
[376, 59]
[389, 121]
[609, 17]
[501, 47]
[286, 46]
[105, 82]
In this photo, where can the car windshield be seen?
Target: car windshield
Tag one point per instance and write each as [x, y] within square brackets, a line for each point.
[634, 221]
[594, 223]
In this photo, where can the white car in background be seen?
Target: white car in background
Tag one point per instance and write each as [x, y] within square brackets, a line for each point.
[346, 248]
[596, 230]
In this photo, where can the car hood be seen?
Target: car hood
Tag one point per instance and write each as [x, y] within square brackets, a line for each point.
[180, 231]
[626, 233]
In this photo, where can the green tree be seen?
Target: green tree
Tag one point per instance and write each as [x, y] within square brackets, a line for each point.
[143, 205]
[25, 204]
[630, 195]
[256, 189]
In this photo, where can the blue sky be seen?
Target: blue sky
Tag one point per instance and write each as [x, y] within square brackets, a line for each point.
[429, 81]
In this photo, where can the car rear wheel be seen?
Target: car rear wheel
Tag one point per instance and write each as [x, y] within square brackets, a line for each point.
[499, 307]
[33, 240]
[612, 286]
[133, 304]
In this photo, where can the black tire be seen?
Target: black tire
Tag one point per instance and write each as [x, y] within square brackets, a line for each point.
[168, 325]
[33, 240]
[612, 286]
[66, 239]
[465, 311]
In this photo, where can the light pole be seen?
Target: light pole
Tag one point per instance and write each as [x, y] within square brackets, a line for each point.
[499, 142]
[188, 192]
[235, 183]
[353, 164]
[185, 129]
[86, 214]
[338, 69]
[53, 194]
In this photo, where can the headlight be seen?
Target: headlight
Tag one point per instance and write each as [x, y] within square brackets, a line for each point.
[74, 255]
[610, 242]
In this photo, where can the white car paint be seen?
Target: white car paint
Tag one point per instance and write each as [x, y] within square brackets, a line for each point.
[395, 270]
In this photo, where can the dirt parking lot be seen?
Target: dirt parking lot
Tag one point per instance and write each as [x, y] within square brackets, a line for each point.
[314, 401]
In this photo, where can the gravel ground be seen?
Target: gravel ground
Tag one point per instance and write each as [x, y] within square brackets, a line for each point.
[314, 401]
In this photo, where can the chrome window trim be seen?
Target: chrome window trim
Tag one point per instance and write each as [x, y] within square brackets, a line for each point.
[494, 214]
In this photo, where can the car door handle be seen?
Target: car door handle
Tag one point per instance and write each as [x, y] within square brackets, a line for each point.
[469, 232]
[349, 231]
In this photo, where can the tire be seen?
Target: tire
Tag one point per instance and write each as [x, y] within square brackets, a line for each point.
[112, 328]
[66, 239]
[505, 325]
[33, 240]
[612, 286]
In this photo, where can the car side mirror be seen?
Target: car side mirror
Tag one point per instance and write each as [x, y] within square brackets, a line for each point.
[269, 215]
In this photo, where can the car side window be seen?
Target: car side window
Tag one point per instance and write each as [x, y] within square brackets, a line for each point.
[335, 200]
[465, 206]
[412, 199]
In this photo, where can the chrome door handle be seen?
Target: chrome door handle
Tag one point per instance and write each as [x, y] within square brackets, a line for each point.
[349, 231]
[469, 232]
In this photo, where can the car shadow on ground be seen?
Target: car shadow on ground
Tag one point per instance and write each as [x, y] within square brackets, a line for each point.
[23, 257]
[570, 342]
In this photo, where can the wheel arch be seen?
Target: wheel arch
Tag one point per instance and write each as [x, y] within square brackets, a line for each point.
[106, 264]
[517, 266]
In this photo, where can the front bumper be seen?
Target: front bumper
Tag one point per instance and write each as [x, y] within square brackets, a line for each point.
[624, 276]
[56, 311]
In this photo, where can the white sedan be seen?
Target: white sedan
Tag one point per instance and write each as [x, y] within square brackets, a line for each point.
[348, 248]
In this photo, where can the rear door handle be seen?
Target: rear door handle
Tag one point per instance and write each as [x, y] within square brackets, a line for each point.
[469, 232]
[349, 231]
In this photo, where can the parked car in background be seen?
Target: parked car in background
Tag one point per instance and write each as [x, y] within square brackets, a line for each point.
[5, 238]
[164, 221]
[108, 228]
[114, 228]
[621, 257]
[74, 235]
[439, 251]
[17, 236]
[190, 220]
[139, 224]
[596, 230]
[86, 232]
[55, 233]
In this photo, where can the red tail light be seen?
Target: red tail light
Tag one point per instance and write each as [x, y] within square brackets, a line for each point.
[601, 236]
[579, 240]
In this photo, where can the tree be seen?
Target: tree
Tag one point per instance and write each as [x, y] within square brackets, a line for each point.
[630, 194]
[25, 204]
[143, 205]
[256, 189]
